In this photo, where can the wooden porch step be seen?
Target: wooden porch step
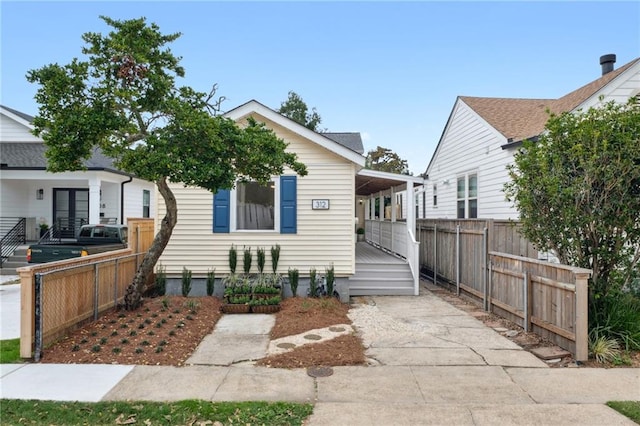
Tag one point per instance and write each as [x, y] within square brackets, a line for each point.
[380, 291]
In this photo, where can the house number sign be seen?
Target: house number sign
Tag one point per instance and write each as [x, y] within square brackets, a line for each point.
[320, 204]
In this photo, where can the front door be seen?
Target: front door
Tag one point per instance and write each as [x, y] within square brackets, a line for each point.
[70, 210]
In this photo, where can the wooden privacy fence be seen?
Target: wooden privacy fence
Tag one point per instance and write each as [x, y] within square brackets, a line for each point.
[56, 297]
[547, 298]
[477, 256]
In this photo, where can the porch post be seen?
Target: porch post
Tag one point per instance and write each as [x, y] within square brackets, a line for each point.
[94, 201]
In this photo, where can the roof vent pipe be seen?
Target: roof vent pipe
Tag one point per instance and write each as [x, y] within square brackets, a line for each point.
[607, 62]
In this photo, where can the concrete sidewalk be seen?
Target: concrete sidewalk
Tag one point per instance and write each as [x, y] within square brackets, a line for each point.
[430, 363]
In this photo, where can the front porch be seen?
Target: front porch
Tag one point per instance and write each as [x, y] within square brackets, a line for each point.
[388, 262]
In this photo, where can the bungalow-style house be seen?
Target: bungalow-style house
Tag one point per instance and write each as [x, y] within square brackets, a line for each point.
[311, 218]
[30, 196]
[467, 173]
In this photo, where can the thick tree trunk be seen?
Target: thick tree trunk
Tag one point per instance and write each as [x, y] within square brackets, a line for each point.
[133, 297]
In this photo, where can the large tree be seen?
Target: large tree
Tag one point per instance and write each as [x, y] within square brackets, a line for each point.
[385, 160]
[296, 109]
[577, 189]
[123, 98]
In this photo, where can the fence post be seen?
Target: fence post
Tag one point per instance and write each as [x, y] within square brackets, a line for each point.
[490, 284]
[38, 317]
[527, 302]
[582, 316]
[95, 292]
[115, 283]
[485, 262]
[458, 260]
[435, 254]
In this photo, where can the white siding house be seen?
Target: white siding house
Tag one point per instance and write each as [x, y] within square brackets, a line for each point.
[467, 173]
[27, 190]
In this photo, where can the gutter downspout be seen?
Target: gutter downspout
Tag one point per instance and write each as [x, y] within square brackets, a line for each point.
[122, 184]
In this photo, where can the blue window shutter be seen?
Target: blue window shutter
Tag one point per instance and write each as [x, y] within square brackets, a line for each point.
[221, 210]
[288, 205]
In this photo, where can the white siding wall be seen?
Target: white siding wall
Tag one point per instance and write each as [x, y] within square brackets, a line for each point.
[324, 237]
[620, 89]
[133, 199]
[12, 131]
[469, 146]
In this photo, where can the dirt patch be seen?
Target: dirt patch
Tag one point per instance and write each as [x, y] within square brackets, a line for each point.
[300, 314]
[164, 331]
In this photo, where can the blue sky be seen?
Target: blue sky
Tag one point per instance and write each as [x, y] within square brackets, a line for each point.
[390, 70]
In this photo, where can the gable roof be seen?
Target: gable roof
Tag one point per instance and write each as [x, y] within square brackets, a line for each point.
[28, 119]
[519, 119]
[351, 140]
[321, 139]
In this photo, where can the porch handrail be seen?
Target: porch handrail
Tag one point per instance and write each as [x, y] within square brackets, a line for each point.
[413, 258]
[13, 238]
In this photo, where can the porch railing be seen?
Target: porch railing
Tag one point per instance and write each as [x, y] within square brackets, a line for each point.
[13, 231]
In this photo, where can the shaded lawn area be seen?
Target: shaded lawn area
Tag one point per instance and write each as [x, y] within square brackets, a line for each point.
[153, 413]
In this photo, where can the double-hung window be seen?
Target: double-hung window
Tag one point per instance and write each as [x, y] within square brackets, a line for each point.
[251, 206]
[146, 202]
[467, 196]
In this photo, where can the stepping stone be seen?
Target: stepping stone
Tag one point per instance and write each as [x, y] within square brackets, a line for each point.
[550, 352]
[500, 329]
[319, 371]
[312, 337]
[336, 329]
[286, 345]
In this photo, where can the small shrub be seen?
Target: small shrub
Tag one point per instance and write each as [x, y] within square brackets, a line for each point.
[186, 281]
[192, 305]
[139, 350]
[94, 333]
[602, 348]
[211, 281]
[83, 341]
[294, 276]
[261, 259]
[165, 302]
[233, 259]
[112, 321]
[121, 315]
[158, 325]
[75, 348]
[151, 333]
[313, 283]
[114, 333]
[246, 260]
[275, 257]
[147, 321]
[331, 278]
[96, 348]
[116, 350]
[161, 280]
[133, 333]
[172, 332]
[162, 343]
[163, 321]
[103, 341]
[159, 349]
[124, 341]
[154, 315]
[145, 343]
[141, 326]
[189, 317]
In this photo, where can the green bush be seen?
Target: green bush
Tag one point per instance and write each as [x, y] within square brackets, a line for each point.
[313, 283]
[161, 280]
[246, 260]
[261, 259]
[619, 319]
[186, 281]
[294, 275]
[211, 281]
[330, 275]
[233, 259]
[275, 257]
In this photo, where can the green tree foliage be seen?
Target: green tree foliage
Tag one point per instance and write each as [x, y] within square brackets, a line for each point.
[296, 109]
[385, 160]
[578, 192]
[123, 99]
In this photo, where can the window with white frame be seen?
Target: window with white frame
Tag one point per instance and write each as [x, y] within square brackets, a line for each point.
[255, 206]
[467, 196]
[435, 195]
[146, 202]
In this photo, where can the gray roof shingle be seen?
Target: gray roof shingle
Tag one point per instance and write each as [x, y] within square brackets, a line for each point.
[351, 140]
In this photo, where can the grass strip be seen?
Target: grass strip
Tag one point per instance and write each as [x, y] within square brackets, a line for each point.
[630, 409]
[21, 412]
[10, 351]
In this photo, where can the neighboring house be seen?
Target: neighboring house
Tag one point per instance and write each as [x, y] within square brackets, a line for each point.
[100, 194]
[467, 173]
[311, 218]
